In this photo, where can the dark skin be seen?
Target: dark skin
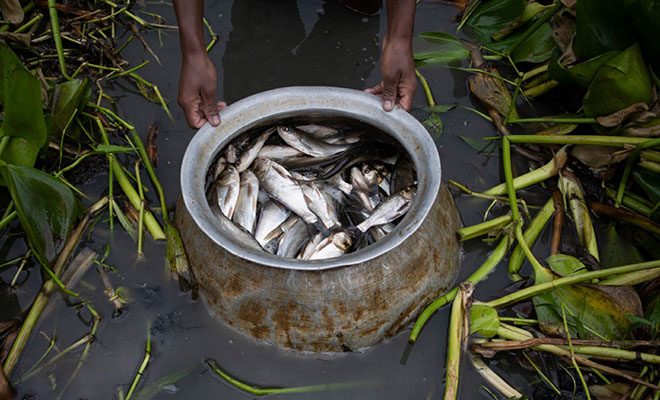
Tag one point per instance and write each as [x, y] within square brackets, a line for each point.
[197, 84]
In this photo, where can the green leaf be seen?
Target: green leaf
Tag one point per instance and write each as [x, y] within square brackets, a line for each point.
[484, 320]
[623, 81]
[66, 99]
[565, 265]
[477, 144]
[434, 124]
[441, 108]
[20, 96]
[46, 208]
[601, 26]
[491, 16]
[581, 74]
[645, 17]
[649, 182]
[438, 48]
[536, 48]
[616, 251]
[597, 312]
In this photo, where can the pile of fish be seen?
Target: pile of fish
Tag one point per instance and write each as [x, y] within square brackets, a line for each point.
[311, 192]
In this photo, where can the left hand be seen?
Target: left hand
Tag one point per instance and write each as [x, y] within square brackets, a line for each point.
[398, 71]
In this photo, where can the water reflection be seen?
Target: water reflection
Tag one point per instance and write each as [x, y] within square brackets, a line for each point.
[275, 49]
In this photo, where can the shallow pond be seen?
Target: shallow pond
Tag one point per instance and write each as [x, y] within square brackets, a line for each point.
[262, 45]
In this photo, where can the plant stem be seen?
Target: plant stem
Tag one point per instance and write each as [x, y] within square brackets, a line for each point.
[477, 276]
[651, 166]
[611, 141]
[262, 392]
[535, 227]
[541, 89]
[629, 165]
[533, 177]
[536, 71]
[569, 280]
[455, 340]
[427, 89]
[483, 228]
[140, 210]
[57, 37]
[495, 380]
[48, 286]
[7, 220]
[541, 374]
[143, 366]
[631, 278]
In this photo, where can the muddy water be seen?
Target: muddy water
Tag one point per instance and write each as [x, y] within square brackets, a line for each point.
[262, 45]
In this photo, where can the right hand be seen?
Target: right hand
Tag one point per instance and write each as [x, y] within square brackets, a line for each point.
[197, 87]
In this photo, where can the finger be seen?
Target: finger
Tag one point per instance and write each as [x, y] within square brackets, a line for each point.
[221, 105]
[389, 92]
[378, 89]
[194, 117]
[209, 105]
[406, 101]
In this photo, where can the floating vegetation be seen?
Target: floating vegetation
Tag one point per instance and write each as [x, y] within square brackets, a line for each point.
[594, 306]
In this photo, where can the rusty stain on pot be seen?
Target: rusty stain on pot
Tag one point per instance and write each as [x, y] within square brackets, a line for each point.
[347, 303]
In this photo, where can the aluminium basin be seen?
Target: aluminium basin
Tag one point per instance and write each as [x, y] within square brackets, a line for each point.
[346, 303]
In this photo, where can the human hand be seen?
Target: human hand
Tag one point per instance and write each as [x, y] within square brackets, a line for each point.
[197, 92]
[398, 71]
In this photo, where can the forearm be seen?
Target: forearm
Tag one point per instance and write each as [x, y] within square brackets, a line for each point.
[400, 20]
[189, 14]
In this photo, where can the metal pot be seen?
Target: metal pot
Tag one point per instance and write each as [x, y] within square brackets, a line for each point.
[350, 302]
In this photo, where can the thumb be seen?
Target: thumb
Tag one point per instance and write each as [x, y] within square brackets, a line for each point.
[209, 105]
[389, 92]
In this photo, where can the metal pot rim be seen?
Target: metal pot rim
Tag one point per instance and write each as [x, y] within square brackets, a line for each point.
[319, 101]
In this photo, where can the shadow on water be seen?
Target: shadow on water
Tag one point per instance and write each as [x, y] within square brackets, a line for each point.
[263, 44]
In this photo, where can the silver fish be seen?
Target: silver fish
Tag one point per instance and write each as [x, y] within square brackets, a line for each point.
[235, 148]
[392, 208]
[246, 206]
[335, 245]
[339, 182]
[379, 232]
[318, 204]
[220, 166]
[227, 189]
[278, 153]
[241, 236]
[348, 138]
[292, 240]
[364, 192]
[272, 215]
[247, 156]
[306, 252]
[281, 186]
[308, 144]
[319, 131]
[375, 177]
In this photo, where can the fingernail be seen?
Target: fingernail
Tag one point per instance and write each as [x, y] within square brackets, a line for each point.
[216, 120]
[387, 105]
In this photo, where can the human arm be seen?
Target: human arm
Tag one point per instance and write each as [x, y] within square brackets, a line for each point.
[398, 83]
[197, 83]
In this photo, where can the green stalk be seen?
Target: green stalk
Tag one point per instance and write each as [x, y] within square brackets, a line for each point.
[495, 380]
[611, 141]
[650, 155]
[536, 25]
[616, 353]
[455, 341]
[651, 166]
[631, 278]
[629, 165]
[111, 114]
[558, 120]
[512, 106]
[570, 347]
[533, 177]
[34, 371]
[49, 286]
[483, 228]
[427, 89]
[536, 71]
[531, 234]
[512, 333]
[140, 211]
[541, 374]
[57, 37]
[149, 220]
[7, 220]
[481, 71]
[477, 276]
[28, 24]
[541, 89]
[143, 366]
[569, 280]
[129, 71]
[262, 392]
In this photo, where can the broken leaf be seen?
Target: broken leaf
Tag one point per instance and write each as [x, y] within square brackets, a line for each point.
[67, 98]
[438, 48]
[12, 11]
[492, 16]
[484, 320]
[581, 74]
[433, 123]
